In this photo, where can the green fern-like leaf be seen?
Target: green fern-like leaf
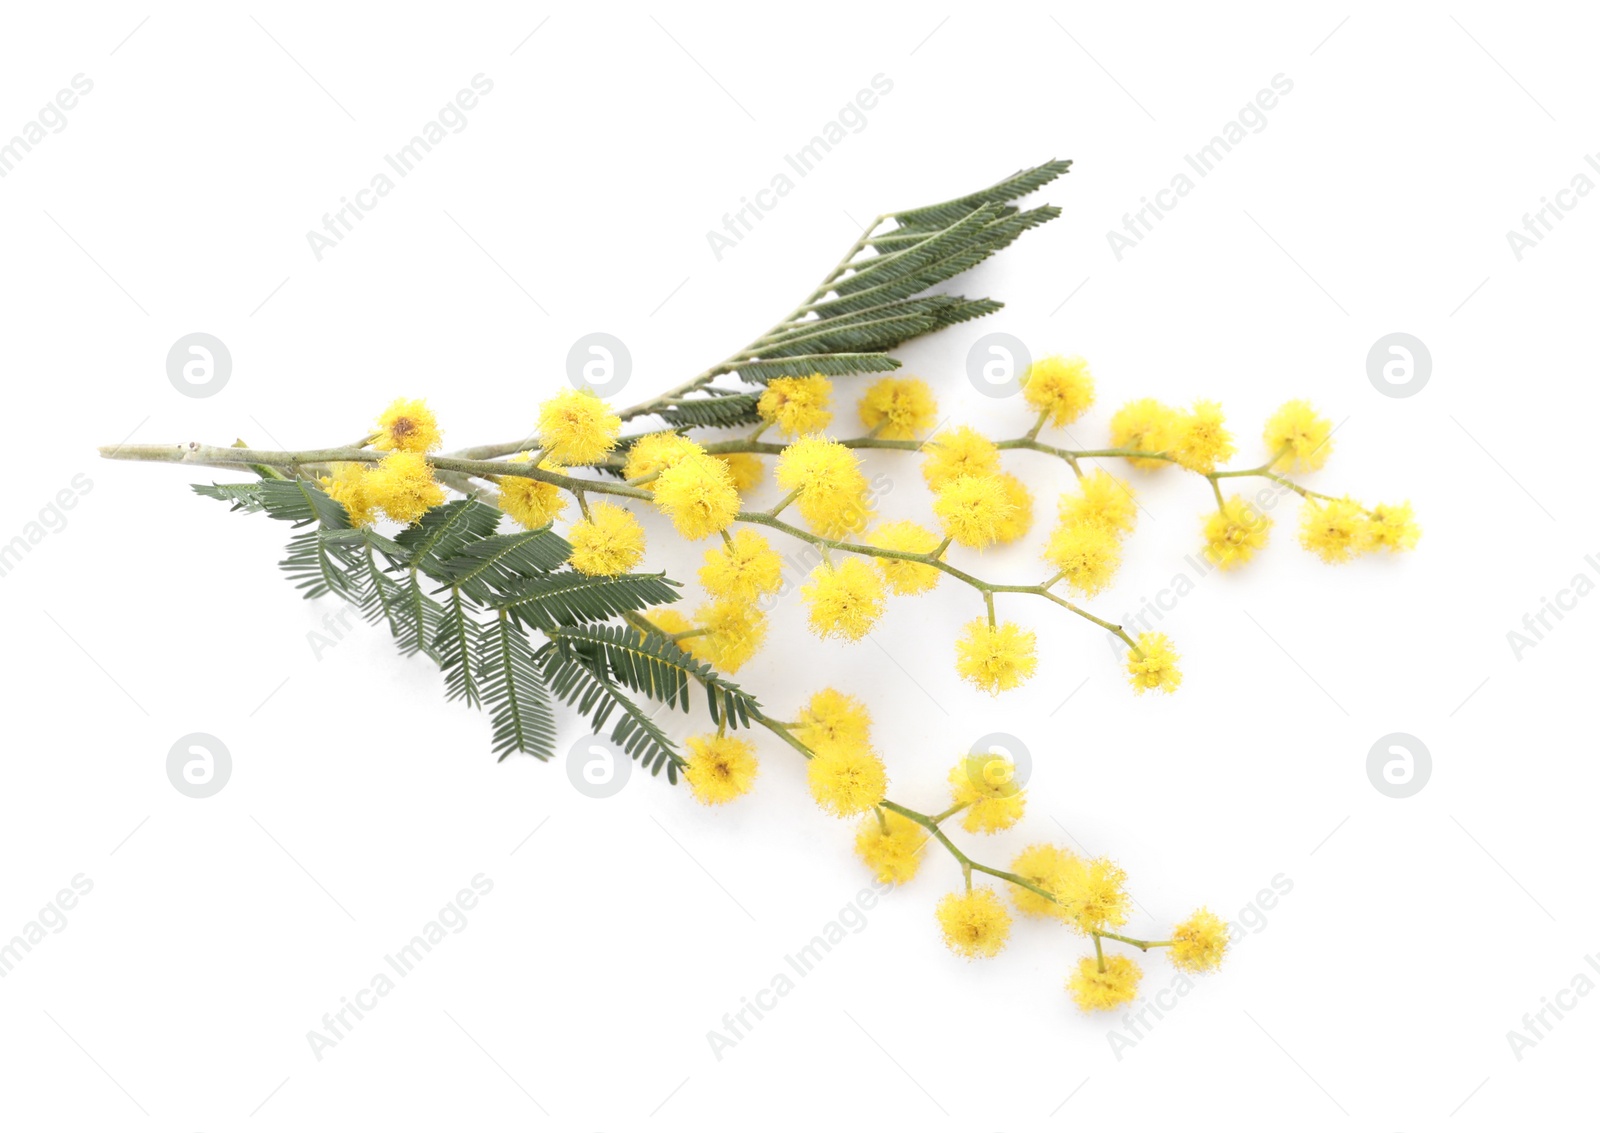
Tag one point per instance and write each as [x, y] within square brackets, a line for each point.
[418, 616]
[860, 335]
[658, 667]
[715, 409]
[961, 233]
[319, 565]
[514, 689]
[829, 364]
[301, 502]
[1019, 184]
[880, 279]
[443, 532]
[243, 497]
[568, 598]
[458, 647]
[583, 683]
[379, 593]
[486, 569]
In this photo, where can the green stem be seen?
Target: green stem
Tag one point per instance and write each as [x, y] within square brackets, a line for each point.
[214, 456]
[944, 814]
[1141, 945]
[731, 364]
[773, 511]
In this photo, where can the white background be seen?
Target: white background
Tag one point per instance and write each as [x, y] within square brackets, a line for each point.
[1418, 932]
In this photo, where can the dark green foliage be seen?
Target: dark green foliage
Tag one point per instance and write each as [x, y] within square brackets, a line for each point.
[319, 565]
[712, 408]
[519, 702]
[1019, 184]
[877, 300]
[452, 587]
[580, 679]
[243, 497]
[458, 647]
[799, 365]
[655, 665]
[568, 597]
[492, 566]
[445, 532]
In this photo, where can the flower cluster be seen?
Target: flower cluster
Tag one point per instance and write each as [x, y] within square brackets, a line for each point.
[1044, 882]
[866, 560]
[562, 610]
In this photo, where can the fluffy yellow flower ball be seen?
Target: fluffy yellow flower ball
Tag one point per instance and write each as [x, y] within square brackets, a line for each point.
[1145, 425]
[898, 408]
[576, 427]
[975, 923]
[745, 469]
[654, 452]
[1101, 500]
[1235, 533]
[846, 600]
[1199, 942]
[408, 425]
[532, 503]
[1063, 388]
[734, 631]
[696, 492]
[995, 658]
[745, 568]
[1050, 868]
[720, 768]
[1094, 990]
[891, 845]
[1018, 521]
[402, 487]
[669, 621]
[974, 509]
[1392, 527]
[1202, 441]
[1087, 557]
[903, 576]
[797, 405]
[346, 484]
[1153, 665]
[1093, 894]
[609, 542]
[1335, 530]
[986, 786]
[958, 452]
[834, 719]
[846, 780]
[1298, 438]
[832, 491]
